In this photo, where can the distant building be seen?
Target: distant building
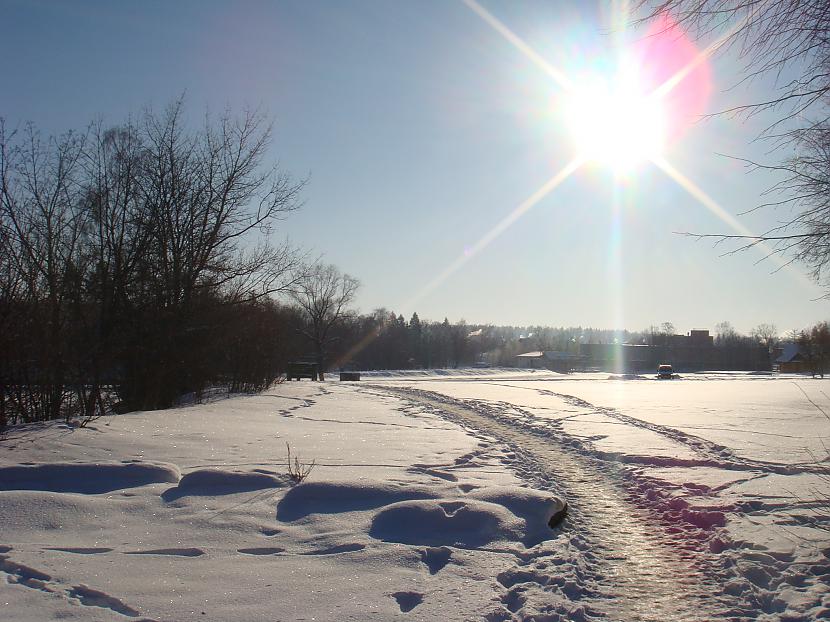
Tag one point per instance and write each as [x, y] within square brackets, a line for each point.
[621, 357]
[693, 352]
[563, 362]
[530, 360]
[700, 338]
[685, 353]
[791, 360]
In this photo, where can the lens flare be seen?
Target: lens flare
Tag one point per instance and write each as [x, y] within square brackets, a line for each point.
[675, 72]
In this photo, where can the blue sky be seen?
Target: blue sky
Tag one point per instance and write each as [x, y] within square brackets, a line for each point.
[420, 128]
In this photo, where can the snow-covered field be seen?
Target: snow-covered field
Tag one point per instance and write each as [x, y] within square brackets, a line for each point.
[700, 498]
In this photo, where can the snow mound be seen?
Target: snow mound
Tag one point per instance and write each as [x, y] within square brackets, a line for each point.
[482, 517]
[331, 498]
[434, 516]
[450, 522]
[539, 510]
[85, 478]
[209, 482]
[46, 511]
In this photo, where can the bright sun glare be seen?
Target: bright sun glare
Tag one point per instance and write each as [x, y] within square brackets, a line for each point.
[621, 120]
[616, 121]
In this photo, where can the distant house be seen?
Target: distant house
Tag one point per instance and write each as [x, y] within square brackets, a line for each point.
[531, 360]
[563, 362]
[791, 360]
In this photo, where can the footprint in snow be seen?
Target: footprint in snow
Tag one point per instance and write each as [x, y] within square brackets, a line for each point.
[24, 575]
[407, 601]
[433, 472]
[514, 600]
[510, 578]
[94, 598]
[80, 550]
[262, 550]
[435, 558]
[340, 548]
[185, 552]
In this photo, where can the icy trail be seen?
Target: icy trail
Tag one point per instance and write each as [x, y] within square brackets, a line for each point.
[708, 453]
[637, 570]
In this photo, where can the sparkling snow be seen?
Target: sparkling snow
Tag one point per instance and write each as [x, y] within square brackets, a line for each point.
[697, 498]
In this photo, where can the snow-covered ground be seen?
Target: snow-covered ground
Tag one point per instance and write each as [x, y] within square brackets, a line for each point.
[431, 495]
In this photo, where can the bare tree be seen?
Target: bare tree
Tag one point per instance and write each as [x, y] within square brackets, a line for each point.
[124, 252]
[770, 36]
[208, 207]
[815, 346]
[39, 196]
[792, 335]
[208, 194]
[790, 41]
[726, 333]
[324, 295]
[12, 288]
[766, 334]
[806, 189]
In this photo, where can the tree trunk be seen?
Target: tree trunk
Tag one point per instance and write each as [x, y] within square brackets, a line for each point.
[320, 361]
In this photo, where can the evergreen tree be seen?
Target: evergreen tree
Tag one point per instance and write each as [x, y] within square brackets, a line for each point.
[414, 338]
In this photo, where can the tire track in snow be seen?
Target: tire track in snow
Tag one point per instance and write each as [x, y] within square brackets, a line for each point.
[718, 456]
[711, 454]
[636, 570]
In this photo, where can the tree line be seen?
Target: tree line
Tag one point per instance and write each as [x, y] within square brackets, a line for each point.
[137, 263]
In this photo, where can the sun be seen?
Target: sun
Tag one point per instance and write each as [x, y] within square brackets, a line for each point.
[616, 121]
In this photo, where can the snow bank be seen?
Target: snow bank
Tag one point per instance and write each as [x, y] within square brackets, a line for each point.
[467, 523]
[205, 482]
[333, 498]
[44, 511]
[187, 515]
[85, 478]
[483, 517]
[438, 515]
[539, 510]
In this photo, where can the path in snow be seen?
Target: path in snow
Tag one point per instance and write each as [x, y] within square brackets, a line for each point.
[639, 571]
[708, 453]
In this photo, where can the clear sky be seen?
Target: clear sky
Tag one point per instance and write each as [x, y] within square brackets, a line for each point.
[422, 127]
